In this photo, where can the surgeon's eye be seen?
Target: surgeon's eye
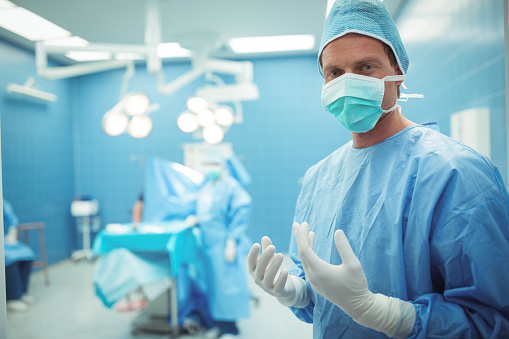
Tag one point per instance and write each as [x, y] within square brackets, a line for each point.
[368, 68]
[333, 74]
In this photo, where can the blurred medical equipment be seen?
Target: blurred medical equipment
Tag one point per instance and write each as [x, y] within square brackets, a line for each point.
[472, 127]
[115, 121]
[85, 210]
[23, 234]
[30, 89]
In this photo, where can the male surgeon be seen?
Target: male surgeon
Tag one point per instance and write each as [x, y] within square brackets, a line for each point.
[402, 232]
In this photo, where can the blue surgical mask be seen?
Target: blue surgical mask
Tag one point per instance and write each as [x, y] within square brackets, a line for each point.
[356, 100]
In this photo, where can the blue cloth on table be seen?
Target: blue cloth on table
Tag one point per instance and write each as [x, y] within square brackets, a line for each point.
[132, 260]
[428, 219]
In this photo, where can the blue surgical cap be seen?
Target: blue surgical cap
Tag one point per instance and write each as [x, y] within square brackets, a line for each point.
[367, 17]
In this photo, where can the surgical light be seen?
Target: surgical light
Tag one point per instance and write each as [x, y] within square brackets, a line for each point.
[187, 122]
[223, 116]
[206, 118]
[197, 104]
[213, 134]
[115, 123]
[136, 104]
[6, 4]
[277, 43]
[29, 25]
[140, 126]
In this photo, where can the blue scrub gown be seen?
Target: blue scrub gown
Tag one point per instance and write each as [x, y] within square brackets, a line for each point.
[223, 211]
[428, 219]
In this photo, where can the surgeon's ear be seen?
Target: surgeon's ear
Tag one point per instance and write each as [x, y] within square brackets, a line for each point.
[398, 72]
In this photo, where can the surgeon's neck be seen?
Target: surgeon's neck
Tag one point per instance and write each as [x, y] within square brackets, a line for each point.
[388, 125]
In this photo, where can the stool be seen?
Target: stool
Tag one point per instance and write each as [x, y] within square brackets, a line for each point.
[39, 226]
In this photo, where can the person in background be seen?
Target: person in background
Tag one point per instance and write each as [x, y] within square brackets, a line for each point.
[137, 211]
[222, 213]
[402, 232]
[18, 264]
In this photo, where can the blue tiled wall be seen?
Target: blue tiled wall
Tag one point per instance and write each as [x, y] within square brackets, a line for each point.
[456, 51]
[37, 153]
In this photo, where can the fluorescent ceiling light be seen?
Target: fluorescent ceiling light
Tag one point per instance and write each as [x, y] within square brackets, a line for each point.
[29, 25]
[172, 50]
[6, 4]
[272, 43]
[128, 56]
[71, 41]
[88, 56]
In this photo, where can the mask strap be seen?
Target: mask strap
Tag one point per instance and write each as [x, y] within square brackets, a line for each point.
[391, 109]
[405, 97]
[394, 78]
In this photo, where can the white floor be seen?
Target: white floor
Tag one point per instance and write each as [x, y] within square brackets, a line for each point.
[69, 309]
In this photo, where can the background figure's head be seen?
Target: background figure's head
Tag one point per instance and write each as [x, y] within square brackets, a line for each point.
[366, 17]
[215, 164]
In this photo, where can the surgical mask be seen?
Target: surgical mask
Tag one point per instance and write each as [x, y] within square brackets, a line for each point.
[214, 172]
[356, 100]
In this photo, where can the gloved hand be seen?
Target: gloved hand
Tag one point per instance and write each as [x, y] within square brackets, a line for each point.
[230, 250]
[346, 286]
[191, 221]
[12, 236]
[290, 290]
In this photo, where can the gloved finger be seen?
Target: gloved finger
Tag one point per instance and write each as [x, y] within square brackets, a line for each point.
[344, 248]
[301, 236]
[311, 239]
[264, 260]
[280, 283]
[272, 269]
[252, 257]
[266, 242]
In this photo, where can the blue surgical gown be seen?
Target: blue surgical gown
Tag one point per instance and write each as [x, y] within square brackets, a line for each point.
[428, 219]
[223, 212]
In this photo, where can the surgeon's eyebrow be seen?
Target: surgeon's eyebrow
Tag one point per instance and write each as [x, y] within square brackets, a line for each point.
[368, 60]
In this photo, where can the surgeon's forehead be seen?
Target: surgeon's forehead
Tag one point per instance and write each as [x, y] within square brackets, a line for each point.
[352, 47]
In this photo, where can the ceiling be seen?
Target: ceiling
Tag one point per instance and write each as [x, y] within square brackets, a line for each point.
[123, 21]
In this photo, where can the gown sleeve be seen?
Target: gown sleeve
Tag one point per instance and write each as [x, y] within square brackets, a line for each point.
[237, 218]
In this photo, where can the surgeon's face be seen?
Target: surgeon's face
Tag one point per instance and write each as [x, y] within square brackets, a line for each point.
[363, 55]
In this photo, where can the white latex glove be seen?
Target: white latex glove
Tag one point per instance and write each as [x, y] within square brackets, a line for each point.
[191, 221]
[346, 286]
[289, 290]
[12, 236]
[230, 250]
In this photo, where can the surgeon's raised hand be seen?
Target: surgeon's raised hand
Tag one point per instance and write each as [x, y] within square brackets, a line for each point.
[264, 270]
[346, 286]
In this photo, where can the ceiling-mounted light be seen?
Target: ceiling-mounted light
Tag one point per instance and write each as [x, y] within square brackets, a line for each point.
[187, 122]
[223, 116]
[213, 134]
[115, 123]
[206, 118]
[29, 25]
[197, 104]
[140, 126]
[6, 4]
[136, 104]
[277, 43]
